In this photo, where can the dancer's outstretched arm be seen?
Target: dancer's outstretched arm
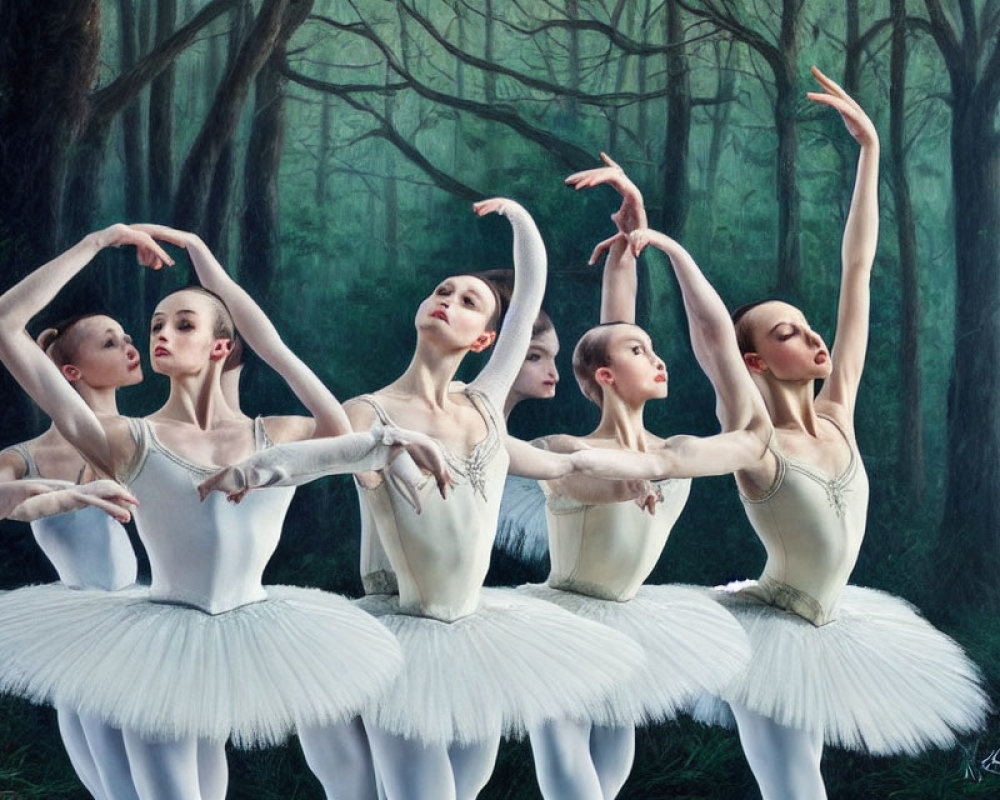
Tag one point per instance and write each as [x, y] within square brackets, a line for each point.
[530, 267]
[328, 417]
[678, 457]
[300, 462]
[28, 500]
[103, 444]
[857, 252]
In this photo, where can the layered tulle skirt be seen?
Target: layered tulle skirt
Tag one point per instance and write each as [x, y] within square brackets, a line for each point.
[879, 678]
[171, 671]
[510, 666]
[692, 646]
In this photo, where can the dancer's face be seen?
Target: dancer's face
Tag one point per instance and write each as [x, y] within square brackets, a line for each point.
[182, 337]
[785, 346]
[634, 370]
[105, 356]
[538, 376]
[457, 313]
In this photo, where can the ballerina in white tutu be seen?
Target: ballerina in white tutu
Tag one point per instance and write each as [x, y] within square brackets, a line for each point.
[206, 652]
[605, 537]
[88, 548]
[832, 663]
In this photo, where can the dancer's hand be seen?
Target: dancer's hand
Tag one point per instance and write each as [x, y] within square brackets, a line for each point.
[857, 121]
[232, 481]
[148, 252]
[632, 213]
[165, 233]
[496, 205]
[645, 494]
[640, 239]
[426, 454]
[107, 495]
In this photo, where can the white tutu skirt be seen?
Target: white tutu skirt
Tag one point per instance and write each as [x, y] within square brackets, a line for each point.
[879, 678]
[172, 671]
[513, 664]
[692, 645]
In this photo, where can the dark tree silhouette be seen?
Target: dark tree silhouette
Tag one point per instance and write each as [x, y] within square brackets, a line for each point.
[971, 543]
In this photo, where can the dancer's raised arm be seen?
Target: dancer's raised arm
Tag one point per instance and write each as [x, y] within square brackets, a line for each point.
[328, 417]
[530, 267]
[857, 251]
[36, 373]
[738, 403]
[619, 285]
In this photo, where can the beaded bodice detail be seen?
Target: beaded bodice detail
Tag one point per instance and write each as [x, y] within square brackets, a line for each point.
[440, 556]
[812, 526]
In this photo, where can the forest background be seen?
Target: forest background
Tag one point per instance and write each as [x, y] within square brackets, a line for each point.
[329, 151]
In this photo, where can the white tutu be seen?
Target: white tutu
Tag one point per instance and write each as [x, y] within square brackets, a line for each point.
[692, 646]
[511, 665]
[171, 671]
[878, 678]
[522, 531]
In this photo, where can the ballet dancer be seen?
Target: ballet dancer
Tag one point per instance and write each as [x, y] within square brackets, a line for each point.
[88, 548]
[206, 652]
[831, 663]
[605, 538]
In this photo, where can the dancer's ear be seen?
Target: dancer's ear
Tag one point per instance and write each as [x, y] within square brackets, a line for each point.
[483, 341]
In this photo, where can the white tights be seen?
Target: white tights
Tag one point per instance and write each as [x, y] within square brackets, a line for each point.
[785, 761]
[179, 769]
[580, 761]
[97, 752]
[340, 757]
[411, 770]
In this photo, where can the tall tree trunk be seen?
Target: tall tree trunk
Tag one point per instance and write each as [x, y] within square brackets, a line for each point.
[719, 112]
[675, 151]
[911, 446]
[217, 212]
[972, 515]
[642, 109]
[323, 153]
[390, 190]
[48, 65]
[852, 55]
[135, 189]
[222, 119]
[787, 193]
[260, 252]
[490, 81]
[573, 14]
[57, 44]
[161, 122]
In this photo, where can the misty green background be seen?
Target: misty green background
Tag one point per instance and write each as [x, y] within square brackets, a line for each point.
[396, 116]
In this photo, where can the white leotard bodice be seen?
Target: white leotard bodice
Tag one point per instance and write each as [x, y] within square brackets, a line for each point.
[608, 550]
[812, 527]
[209, 554]
[440, 556]
[88, 548]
